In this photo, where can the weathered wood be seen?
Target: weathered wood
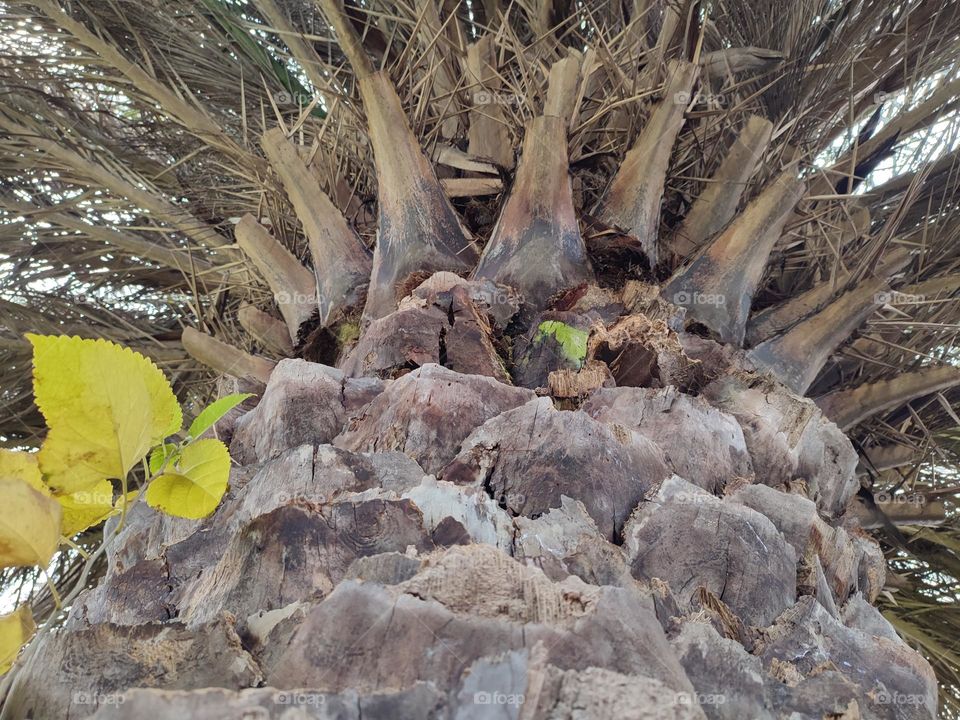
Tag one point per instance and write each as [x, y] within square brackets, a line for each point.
[418, 229]
[487, 135]
[848, 408]
[796, 357]
[294, 287]
[265, 329]
[733, 61]
[789, 439]
[303, 402]
[341, 263]
[562, 88]
[225, 358]
[209, 655]
[632, 202]
[471, 187]
[731, 550]
[885, 457]
[536, 245]
[531, 456]
[411, 415]
[772, 321]
[718, 285]
[449, 326]
[717, 204]
[700, 443]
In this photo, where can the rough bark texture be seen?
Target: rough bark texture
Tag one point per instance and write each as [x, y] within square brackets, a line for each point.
[441, 544]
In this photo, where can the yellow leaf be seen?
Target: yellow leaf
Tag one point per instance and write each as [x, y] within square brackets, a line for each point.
[193, 485]
[105, 407]
[15, 630]
[29, 525]
[79, 510]
[16, 465]
[86, 508]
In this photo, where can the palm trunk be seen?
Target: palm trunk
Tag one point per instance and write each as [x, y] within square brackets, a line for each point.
[516, 495]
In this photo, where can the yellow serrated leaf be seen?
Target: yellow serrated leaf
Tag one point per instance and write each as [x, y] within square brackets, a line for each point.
[79, 511]
[15, 630]
[105, 407]
[193, 487]
[86, 508]
[15, 465]
[29, 525]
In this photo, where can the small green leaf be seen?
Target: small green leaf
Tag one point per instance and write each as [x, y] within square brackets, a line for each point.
[572, 341]
[193, 486]
[160, 454]
[214, 411]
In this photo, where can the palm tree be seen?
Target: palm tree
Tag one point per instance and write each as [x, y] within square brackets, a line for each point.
[587, 339]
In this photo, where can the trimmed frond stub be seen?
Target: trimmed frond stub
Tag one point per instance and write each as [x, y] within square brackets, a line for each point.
[847, 408]
[718, 285]
[536, 245]
[632, 202]
[717, 204]
[341, 263]
[225, 358]
[293, 286]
